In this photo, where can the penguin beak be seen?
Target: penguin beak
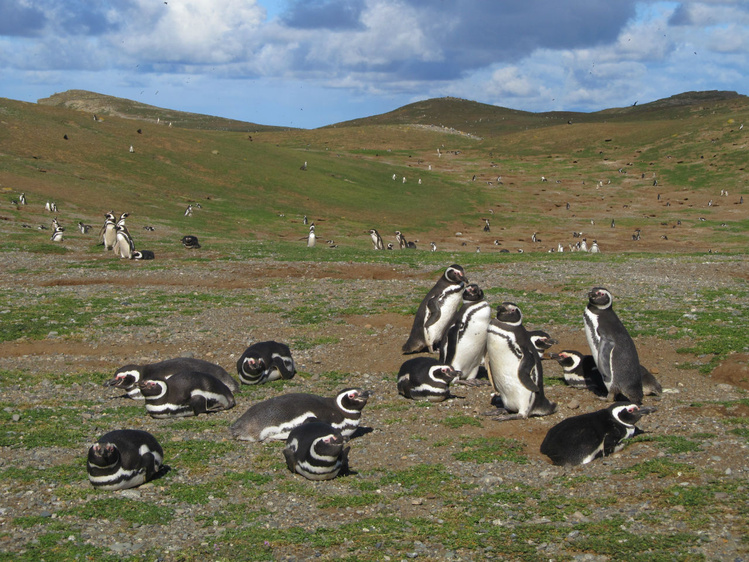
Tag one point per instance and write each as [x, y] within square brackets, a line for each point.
[647, 410]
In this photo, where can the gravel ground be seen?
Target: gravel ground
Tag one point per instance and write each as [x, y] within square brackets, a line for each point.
[363, 350]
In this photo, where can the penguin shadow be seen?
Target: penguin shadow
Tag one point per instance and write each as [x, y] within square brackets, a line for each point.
[360, 431]
[165, 468]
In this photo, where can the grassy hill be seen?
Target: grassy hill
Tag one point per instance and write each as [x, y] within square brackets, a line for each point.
[462, 162]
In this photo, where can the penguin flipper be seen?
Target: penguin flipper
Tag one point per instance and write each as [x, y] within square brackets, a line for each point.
[605, 353]
[449, 343]
[283, 369]
[528, 372]
[434, 313]
[290, 456]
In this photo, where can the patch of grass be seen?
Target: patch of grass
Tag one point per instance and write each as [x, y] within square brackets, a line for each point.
[132, 511]
[492, 449]
[43, 427]
[674, 444]
[196, 454]
[198, 494]
[420, 480]
[302, 344]
[58, 474]
[349, 500]
[659, 467]
[460, 420]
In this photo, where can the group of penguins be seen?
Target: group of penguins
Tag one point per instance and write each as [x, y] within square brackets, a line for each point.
[454, 319]
[115, 236]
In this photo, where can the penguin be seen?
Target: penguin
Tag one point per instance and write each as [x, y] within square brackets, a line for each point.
[108, 232]
[541, 341]
[123, 459]
[127, 377]
[514, 367]
[188, 211]
[487, 228]
[390, 246]
[184, 394]
[580, 371]
[580, 439]
[58, 234]
[612, 348]
[426, 378]
[411, 245]
[434, 246]
[436, 310]
[143, 255]
[123, 246]
[190, 242]
[315, 450]
[376, 239]
[84, 228]
[463, 345]
[22, 198]
[275, 417]
[400, 239]
[311, 236]
[594, 249]
[265, 361]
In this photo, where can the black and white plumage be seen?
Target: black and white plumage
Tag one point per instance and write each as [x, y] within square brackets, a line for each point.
[580, 439]
[436, 311]
[59, 234]
[190, 242]
[542, 341]
[311, 238]
[124, 458]
[400, 239]
[265, 361]
[514, 367]
[108, 232]
[143, 255]
[84, 228]
[426, 378]
[124, 245]
[463, 345]
[128, 376]
[22, 199]
[184, 394]
[612, 348]
[316, 451]
[580, 371]
[376, 239]
[275, 417]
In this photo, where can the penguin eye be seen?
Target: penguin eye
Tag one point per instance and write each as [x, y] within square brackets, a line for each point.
[631, 409]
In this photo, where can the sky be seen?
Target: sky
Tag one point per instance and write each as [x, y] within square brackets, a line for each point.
[310, 63]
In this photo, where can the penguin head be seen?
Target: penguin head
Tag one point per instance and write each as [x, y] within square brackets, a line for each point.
[509, 313]
[455, 274]
[125, 377]
[629, 414]
[103, 455]
[473, 293]
[352, 400]
[443, 373]
[600, 298]
[569, 360]
[330, 444]
[152, 389]
[541, 340]
[253, 365]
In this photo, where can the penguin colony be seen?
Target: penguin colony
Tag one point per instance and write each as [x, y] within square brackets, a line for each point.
[455, 320]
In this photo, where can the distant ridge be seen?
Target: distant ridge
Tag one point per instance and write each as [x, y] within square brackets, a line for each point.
[103, 105]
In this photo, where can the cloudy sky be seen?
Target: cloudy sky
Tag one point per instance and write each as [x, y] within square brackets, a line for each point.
[308, 63]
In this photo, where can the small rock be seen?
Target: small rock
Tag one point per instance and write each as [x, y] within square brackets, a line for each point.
[573, 404]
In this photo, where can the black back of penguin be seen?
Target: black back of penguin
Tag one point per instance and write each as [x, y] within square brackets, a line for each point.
[436, 310]
[425, 378]
[612, 348]
[124, 458]
[316, 451]
[265, 361]
[275, 417]
[581, 439]
[187, 393]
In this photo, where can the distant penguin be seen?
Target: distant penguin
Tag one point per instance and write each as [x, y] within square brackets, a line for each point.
[58, 234]
[123, 459]
[390, 246]
[143, 255]
[463, 345]
[108, 232]
[316, 451]
[411, 245]
[436, 311]
[612, 348]
[426, 378]
[275, 417]
[265, 361]
[84, 228]
[184, 394]
[580, 439]
[188, 211]
[487, 228]
[311, 236]
[190, 242]
[514, 367]
[127, 377]
[376, 239]
[434, 246]
[400, 239]
[594, 249]
[123, 246]
[22, 198]
[305, 221]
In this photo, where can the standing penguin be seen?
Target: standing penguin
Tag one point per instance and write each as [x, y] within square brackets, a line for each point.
[612, 348]
[311, 236]
[58, 234]
[123, 246]
[401, 239]
[580, 439]
[275, 417]
[426, 378]
[463, 345]
[436, 310]
[265, 361]
[185, 394]
[376, 239]
[108, 232]
[124, 458]
[128, 377]
[315, 450]
[514, 367]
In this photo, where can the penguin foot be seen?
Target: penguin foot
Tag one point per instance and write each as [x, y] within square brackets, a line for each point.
[508, 417]
[495, 412]
[472, 382]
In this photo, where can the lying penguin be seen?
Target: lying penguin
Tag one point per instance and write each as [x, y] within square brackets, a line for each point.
[315, 450]
[124, 458]
[185, 394]
[426, 378]
[265, 361]
[580, 439]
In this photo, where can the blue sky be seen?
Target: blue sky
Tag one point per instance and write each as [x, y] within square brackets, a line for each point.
[309, 63]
